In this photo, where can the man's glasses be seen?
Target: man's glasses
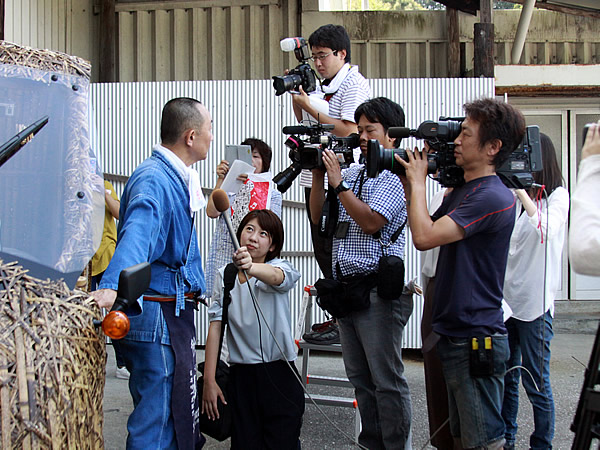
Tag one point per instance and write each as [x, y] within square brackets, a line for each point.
[313, 58]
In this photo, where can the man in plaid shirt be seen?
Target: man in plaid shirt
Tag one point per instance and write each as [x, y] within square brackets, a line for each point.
[371, 338]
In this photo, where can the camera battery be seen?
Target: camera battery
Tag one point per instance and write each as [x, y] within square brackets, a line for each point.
[481, 357]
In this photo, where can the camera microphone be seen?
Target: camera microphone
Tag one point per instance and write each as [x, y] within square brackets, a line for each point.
[221, 202]
[399, 132]
[295, 129]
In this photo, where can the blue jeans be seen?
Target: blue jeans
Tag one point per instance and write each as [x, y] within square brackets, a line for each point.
[372, 351]
[530, 347]
[151, 365]
[474, 403]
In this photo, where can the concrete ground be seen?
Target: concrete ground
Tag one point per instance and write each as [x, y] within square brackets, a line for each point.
[570, 355]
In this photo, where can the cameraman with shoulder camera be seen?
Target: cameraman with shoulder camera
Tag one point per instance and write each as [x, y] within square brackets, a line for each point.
[371, 219]
[473, 228]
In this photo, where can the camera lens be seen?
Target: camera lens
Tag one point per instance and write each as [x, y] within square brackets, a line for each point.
[284, 179]
[380, 159]
[286, 83]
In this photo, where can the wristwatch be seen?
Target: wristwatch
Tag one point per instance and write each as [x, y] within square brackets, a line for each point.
[343, 186]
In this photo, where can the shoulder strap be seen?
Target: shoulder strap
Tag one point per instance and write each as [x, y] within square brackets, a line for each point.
[396, 234]
[228, 283]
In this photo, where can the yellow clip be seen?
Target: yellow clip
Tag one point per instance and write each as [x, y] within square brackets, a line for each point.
[474, 344]
[488, 343]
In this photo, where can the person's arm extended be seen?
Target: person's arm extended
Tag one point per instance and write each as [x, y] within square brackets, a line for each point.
[212, 392]
[341, 128]
[426, 233]
[317, 195]
[268, 274]
[551, 221]
[368, 220]
[222, 169]
[113, 204]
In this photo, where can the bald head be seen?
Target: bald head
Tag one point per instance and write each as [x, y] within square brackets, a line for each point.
[179, 115]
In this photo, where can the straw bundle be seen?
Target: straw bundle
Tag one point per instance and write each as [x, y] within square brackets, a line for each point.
[52, 363]
[45, 60]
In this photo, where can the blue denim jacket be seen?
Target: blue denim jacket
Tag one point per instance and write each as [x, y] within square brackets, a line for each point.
[155, 226]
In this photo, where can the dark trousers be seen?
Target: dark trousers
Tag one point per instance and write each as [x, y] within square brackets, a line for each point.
[267, 404]
[435, 384]
[322, 246]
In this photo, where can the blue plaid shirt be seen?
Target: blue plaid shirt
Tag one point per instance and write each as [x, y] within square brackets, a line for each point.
[358, 252]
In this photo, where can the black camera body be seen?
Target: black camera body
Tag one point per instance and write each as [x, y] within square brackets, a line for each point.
[302, 75]
[307, 152]
[516, 172]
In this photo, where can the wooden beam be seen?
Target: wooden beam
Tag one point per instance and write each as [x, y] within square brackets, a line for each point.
[563, 9]
[453, 43]
[2, 2]
[106, 67]
[483, 64]
[485, 11]
[145, 5]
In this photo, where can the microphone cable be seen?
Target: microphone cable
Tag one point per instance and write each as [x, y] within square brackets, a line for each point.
[221, 201]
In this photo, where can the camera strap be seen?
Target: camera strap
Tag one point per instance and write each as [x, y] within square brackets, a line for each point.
[329, 215]
[393, 238]
[377, 234]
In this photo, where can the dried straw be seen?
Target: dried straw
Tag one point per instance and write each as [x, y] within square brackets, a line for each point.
[52, 361]
[45, 60]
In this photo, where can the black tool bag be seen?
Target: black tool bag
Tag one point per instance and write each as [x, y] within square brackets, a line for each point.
[220, 429]
[340, 298]
[390, 281]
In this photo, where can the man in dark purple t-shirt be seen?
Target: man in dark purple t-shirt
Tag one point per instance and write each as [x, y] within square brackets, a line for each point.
[472, 229]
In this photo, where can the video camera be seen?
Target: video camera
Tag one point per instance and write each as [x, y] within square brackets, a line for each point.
[303, 75]
[307, 153]
[516, 172]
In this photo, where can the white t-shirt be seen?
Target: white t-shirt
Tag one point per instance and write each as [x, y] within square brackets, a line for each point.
[352, 91]
[584, 236]
[524, 280]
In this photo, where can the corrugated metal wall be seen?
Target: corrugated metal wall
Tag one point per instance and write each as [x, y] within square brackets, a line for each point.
[127, 117]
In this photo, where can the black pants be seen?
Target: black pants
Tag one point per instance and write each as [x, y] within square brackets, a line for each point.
[267, 405]
[322, 246]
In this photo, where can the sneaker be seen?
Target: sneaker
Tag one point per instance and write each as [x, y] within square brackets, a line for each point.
[329, 336]
[320, 327]
[122, 373]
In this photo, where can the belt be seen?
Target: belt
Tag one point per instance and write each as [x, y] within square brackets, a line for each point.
[190, 296]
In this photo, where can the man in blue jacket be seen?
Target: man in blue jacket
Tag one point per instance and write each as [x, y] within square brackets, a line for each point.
[157, 226]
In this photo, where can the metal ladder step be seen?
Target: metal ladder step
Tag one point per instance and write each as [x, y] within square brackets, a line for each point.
[328, 381]
[329, 400]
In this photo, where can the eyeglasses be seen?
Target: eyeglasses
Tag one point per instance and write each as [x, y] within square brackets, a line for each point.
[313, 58]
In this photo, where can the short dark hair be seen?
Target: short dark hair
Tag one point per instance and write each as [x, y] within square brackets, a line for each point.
[331, 36]
[550, 176]
[179, 115]
[269, 222]
[263, 150]
[384, 111]
[497, 120]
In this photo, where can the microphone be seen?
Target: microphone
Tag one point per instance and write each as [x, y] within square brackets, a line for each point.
[295, 129]
[399, 132]
[221, 202]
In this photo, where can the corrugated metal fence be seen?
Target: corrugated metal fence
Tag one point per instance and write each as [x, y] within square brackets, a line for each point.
[127, 120]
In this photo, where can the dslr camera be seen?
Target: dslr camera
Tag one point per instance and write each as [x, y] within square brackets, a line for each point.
[307, 152]
[515, 172]
[303, 75]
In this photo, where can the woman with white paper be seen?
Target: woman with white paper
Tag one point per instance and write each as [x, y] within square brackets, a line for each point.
[252, 191]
